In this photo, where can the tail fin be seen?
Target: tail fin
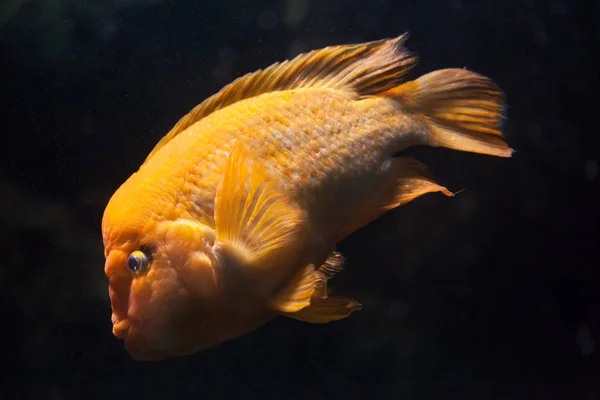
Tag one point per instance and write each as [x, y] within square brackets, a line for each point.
[461, 109]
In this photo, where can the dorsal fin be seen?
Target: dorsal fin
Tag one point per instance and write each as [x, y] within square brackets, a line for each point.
[366, 68]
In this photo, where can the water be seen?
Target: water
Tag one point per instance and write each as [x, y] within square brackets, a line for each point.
[490, 294]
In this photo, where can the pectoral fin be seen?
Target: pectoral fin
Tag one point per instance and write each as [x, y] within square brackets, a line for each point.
[257, 224]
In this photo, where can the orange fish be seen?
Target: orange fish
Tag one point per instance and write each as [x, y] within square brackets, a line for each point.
[234, 216]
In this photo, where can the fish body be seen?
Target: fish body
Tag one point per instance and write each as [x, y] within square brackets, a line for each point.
[234, 216]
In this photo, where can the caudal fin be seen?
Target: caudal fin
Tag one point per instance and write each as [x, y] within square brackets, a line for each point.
[462, 110]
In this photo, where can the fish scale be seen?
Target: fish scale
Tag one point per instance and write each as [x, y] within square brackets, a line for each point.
[318, 151]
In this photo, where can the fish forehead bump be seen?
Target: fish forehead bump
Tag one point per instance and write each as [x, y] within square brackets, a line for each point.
[131, 213]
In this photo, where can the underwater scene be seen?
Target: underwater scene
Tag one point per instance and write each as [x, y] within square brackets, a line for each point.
[300, 199]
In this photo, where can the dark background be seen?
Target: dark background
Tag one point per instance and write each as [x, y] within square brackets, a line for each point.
[493, 294]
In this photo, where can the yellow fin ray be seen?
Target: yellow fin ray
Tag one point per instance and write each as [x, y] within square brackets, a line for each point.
[366, 69]
[407, 179]
[461, 109]
[325, 310]
[414, 180]
[306, 298]
[299, 293]
[254, 218]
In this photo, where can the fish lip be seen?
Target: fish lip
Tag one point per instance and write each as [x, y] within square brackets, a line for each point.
[122, 326]
[138, 351]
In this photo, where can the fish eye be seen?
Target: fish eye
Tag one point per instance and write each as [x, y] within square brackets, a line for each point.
[137, 262]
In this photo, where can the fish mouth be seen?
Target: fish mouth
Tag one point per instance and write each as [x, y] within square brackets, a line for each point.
[121, 327]
[125, 329]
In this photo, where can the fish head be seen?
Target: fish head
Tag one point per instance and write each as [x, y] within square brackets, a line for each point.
[162, 283]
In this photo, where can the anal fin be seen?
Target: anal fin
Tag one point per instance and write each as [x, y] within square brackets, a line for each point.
[413, 180]
[406, 180]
